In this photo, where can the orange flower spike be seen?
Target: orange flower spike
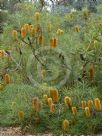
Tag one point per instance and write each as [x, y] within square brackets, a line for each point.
[97, 103]
[23, 32]
[49, 100]
[55, 96]
[32, 31]
[2, 53]
[74, 110]
[83, 103]
[87, 112]
[55, 43]
[7, 78]
[14, 34]
[51, 42]
[36, 105]
[68, 101]
[52, 108]
[21, 115]
[27, 28]
[65, 124]
[41, 40]
[90, 103]
[91, 72]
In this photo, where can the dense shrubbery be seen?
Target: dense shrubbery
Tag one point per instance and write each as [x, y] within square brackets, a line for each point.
[75, 107]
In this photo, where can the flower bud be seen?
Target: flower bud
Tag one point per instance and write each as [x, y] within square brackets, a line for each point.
[65, 124]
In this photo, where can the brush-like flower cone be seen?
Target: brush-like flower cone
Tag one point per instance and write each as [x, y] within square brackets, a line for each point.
[59, 32]
[90, 103]
[36, 105]
[21, 115]
[91, 72]
[49, 27]
[54, 95]
[45, 98]
[97, 103]
[52, 108]
[74, 110]
[55, 43]
[68, 101]
[32, 31]
[49, 100]
[77, 29]
[37, 16]
[83, 103]
[7, 78]
[14, 34]
[23, 32]
[51, 42]
[27, 28]
[2, 53]
[65, 125]
[87, 112]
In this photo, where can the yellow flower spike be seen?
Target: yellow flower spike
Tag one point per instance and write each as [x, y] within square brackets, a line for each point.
[43, 73]
[21, 115]
[45, 97]
[52, 108]
[91, 72]
[23, 32]
[40, 40]
[49, 27]
[87, 112]
[83, 103]
[51, 42]
[65, 125]
[36, 105]
[14, 34]
[60, 32]
[37, 16]
[7, 78]
[74, 110]
[49, 100]
[13, 104]
[97, 103]
[2, 53]
[90, 103]
[77, 28]
[26, 26]
[1, 87]
[68, 101]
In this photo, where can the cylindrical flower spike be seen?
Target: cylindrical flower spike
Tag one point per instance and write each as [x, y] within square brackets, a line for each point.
[49, 100]
[23, 32]
[90, 103]
[53, 42]
[21, 115]
[52, 108]
[40, 40]
[32, 31]
[60, 32]
[97, 103]
[54, 95]
[87, 112]
[68, 101]
[74, 110]
[14, 34]
[37, 16]
[26, 26]
[77, 28]
[49, 27]
[65, 125]
[2, 53]
[83, 103]
[91, 72]
[36, 105]
[7, 78]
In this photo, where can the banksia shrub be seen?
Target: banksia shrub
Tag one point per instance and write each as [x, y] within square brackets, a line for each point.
[74, 110]
[54, 95]
[23, 32]
[87, 112]
[68, 101]
[37, 16]
[83, 103]
[90, 103]
[91, 72]
[36, 105]
[65, 125]
[21, 115]
[2, 53]
[49, 101]
[14, 34]
[97, 103]
[52, 108]
[7, 78]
